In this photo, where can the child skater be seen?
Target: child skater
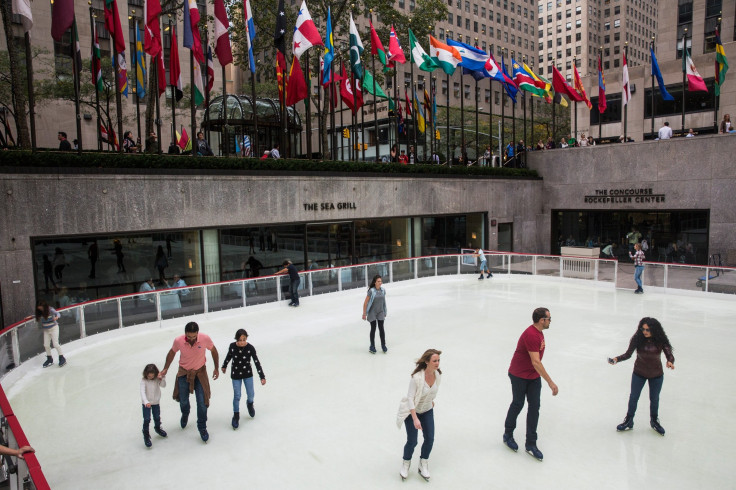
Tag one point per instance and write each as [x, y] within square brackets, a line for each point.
[241, 352]
[151, 385]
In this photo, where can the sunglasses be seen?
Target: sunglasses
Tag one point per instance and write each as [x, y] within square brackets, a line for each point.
[644, 329]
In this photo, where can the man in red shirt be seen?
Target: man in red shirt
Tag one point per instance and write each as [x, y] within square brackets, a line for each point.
[525, 372]
[192, 374]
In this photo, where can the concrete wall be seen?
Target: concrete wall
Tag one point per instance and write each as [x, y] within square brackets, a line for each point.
[68, 204]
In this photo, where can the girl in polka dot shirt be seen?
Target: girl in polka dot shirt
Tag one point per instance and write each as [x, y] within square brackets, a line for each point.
[241, 353]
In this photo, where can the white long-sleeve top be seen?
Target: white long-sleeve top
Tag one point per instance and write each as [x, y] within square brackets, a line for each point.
[151, 390]
[419, 398]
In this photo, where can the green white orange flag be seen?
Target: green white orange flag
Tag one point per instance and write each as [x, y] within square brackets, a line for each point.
[419, 56]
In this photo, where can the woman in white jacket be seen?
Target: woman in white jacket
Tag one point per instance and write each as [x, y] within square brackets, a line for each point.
[416, 410]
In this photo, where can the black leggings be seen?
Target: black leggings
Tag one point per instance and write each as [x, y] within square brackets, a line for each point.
[380, 332]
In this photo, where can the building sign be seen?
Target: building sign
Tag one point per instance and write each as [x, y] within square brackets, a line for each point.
[328, 206]
[628, 195]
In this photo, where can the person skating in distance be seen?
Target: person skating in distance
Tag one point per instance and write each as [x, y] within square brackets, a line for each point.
[649, 341]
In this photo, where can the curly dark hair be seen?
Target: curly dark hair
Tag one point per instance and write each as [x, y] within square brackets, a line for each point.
[655, 328]
[150, 369]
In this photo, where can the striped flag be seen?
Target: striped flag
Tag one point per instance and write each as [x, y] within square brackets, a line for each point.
[377, 46]
[721, 64]
[246, 146]
[625, 86]
[329, 51]
[446, 56]
[222, 38]
[96, 64]
[140, 65]
[579, 87]
[601, 88]
[198, 84]
[420, 57]
[192, 38]
[473, 59]
[210, 70]
[306, 34]
[525, 81]
[250, 34]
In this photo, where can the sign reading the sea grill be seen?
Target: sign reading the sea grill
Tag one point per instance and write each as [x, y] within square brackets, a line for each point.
[328, 206]
[626, 195]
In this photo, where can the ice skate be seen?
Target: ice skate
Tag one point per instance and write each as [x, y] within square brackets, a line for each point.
[147, 439]
[236, 420]
[533, 450]
[424, 468]
[49, 361]
[655, 425]
[160, 431]
[251, 409]
[372, 349]
[404, 472]
[508, 439]
[204, 435]
[627, 424]
[62, 361]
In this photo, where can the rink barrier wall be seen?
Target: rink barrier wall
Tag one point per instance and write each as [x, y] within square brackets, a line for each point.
[22, 341]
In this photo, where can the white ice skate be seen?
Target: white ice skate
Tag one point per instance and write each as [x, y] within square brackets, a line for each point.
[424, 469]
[404, 472]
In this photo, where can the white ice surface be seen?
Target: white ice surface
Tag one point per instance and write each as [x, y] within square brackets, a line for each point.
[326, 417]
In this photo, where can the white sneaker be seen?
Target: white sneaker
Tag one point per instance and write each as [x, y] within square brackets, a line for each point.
[404, 472]
[424, 468]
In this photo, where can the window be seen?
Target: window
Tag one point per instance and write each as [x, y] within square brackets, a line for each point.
[568, 13]
[606, 39]
[456, 89]
[616, 36]
[607, 26]
[568, 26]
[442, 33]
[578, 49]
[578, 23]
[578, 10]
[487, 96]
[444, 87]
[568, 52]
[559, 42]
[578, 36]
[617, 23]
[559, 54]
[467, 91]
[615, 63]
[616, 10]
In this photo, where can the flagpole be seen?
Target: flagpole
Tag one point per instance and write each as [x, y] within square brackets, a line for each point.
[75, 69]
[308, 80]
[135, 70]
[718, 84]
[254, 102]
[490, 121]
[414, 107]
[226, 146]
[448, 156]
[173, 90]
[158, 106]
[600, 115]
[626, 107]
[29, 80]
[575, 106]
[118, 98]
[513, 132]
[523, 104]
[462, 119]
[319, 110]
[477, 136]
[554, 121]
[94, 76]
[503, 118]
[353, 118]
[684, 83]
[434, 143]
[362, 128]
[650, 68]
[207, 55]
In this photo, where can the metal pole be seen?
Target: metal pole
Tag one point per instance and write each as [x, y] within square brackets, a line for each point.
[97, 92]
[626, 107]
[29, 80]
[320, 126]
[600, 115]
[158, 105]
[650, 68]
[254, 140]
[76, 69]
[462, 120]
[192, 106]
[173, 95]
[447, 135]
[490, 121]
[118, 99]
[226, 137]
[308, 108]
[684, 83]
[477, 139]
[137, 97]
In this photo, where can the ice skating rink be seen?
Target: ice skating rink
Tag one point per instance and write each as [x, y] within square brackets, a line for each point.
[326, 417]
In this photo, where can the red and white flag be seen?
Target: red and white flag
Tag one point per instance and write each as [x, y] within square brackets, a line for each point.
[222, 39]
[152, 32]
[395, 53]
[695, 82]
[625, 85]
[306, 34]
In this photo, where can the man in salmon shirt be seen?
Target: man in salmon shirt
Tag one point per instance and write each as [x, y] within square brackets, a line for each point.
[525, 372]
[192, 374]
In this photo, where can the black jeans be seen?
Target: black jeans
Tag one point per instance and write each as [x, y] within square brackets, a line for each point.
[294, 290]
[530, 389]
[655, 387]
[381, 332]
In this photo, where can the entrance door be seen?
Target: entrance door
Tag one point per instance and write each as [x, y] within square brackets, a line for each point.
[506, 237]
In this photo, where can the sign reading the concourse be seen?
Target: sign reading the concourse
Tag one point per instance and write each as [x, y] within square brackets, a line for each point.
[328, 206]
[627, 195]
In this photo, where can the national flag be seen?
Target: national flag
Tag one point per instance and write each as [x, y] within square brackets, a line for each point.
[96, 64]
[428, 106]
[210, 70]
[721, 64]
[420, 57]
[199, 92]
[625, 86]
[250, 34]
[368, 86]
[474, 59]
[174, 69]
[356, 49]
[400, 119]
[76, 49]
[554, 97]
[561, 86]
[445, 56]
[62, 17]
[152, 32]
[279, 39]
[296, 86]
[184, 142]
[601, 88]
[280, 74]
[329, 51]
[140, 65]
[658, 75]
[377, 47]
[107, 135]
[246, 146]
[525, 81]
[493, 70]
[419, 113]
[22, 8]
[192, 38]
[579, 87]
[306, 34]
[695, 82]
[161, 72]
[237, 146]
[347, 84]
[395, 53]
[541, 83]
[222, 37]
[121, 68]
[408, 103]
[113, 26]
[508, 83]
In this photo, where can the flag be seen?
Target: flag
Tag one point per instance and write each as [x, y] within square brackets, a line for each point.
[493, 70]
[107, 135]
[76, 50]
[419, 112]
[428, 106]
[329, 51]
[192, 38]
[368, 86]
[541, 83]
[721, 64]
[561, 86]
[199, 92]
[161, 72]
[554, 97]
[408, 103]
[395, 53]
[140, 65]
[246, 145]
[347, 84]
[250, 34]
[222, 37]
[419, 56]
[695, 82]
[210, 70]
[508, 83]
[279, 40]
[658, 75]
[152, 32]
[525, 81]
[174, 69]
[62, 16]
[473, 59]
[579, 87]
[601, 88]
[96, 64]
[625, 87]
[377, 47]
[122, 71]
[22, 8]
[237, 146]
[445, 56]
[306, 34]
[185, 142]
[280, 74]
[400, 120]
[356, 49]
[113, 26]
[296, 86]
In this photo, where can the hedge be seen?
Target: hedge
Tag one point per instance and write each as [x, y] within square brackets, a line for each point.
[22, 161]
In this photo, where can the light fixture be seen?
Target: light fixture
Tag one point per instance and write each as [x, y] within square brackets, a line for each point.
[473, 236]
[398, 243]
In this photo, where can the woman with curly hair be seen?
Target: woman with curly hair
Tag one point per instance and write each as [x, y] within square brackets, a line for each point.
[649, 341]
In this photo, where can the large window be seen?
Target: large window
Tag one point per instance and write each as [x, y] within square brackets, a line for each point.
[613, 110]
[694, 101]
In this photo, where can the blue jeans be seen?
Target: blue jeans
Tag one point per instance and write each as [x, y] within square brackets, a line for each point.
[638, 271]
[198, 395]
[237, 383]
[521, 388]
[156, 409]
[294, 290]
[655, 387]
[427, 421]
[483, 266]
